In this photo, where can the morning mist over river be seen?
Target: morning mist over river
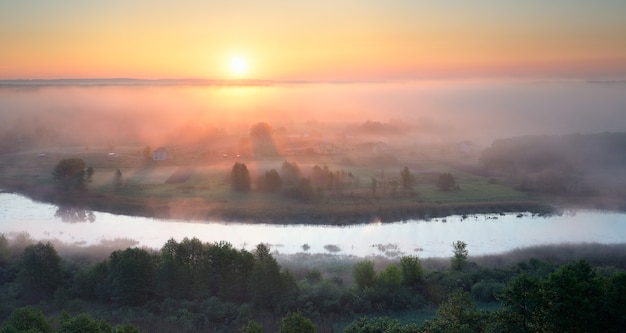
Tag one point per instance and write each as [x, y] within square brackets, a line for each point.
[484, 234]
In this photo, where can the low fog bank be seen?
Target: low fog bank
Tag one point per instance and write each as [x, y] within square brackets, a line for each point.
[580, 167]
[35, 117]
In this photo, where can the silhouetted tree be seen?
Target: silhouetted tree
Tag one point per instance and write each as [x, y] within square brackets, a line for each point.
[407, 179]
[147, 153]
[72, 174]
[270, 181]
[240, 177]
[118, 180]
[446, 181]
[261, 130]
[290, 173]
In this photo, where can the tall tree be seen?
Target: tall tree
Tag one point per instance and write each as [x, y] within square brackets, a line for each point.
[364, 274]
[40, 271]
[240, 177]
[459, 258]
[72, 174]
[131, 276]
[265, 278]
[412, 271]
[407, 179]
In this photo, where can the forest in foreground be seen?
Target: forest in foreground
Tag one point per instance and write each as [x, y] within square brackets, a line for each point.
[190, 286]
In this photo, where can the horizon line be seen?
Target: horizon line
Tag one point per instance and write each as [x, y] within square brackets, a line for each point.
[121, 81]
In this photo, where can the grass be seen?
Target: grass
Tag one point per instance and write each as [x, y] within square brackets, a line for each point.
[205, 193]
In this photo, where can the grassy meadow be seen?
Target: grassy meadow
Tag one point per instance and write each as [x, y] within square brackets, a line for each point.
[190, 186]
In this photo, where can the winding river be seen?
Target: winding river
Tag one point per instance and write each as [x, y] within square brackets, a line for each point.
[484, 234]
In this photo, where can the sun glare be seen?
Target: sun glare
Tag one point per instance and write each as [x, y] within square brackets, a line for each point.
[238, 66]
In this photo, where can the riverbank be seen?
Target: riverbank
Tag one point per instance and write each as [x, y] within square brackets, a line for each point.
[252, 209]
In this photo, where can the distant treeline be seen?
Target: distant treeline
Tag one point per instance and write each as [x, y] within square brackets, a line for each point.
[574, 165]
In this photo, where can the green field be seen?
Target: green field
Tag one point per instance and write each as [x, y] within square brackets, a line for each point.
[200, 189]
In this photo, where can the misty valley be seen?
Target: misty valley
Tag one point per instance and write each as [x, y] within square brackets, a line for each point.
[420, 207]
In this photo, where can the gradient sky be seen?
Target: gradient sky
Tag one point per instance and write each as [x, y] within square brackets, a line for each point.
[313, 40]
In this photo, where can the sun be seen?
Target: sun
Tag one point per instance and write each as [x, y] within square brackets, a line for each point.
[238, 66]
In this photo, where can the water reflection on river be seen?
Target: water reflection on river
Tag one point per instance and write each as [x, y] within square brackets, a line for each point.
[484, 233]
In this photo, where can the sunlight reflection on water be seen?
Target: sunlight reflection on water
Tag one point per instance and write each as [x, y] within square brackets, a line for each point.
[484, 233]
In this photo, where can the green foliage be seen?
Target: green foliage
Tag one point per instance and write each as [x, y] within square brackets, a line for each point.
[265, 279]
[295, 322]
[364, 274]
[446, 181]
[131, 275]
[40, 271]
[240, 177]
[26, 319]
[72, 174]
[83, 323]
[251, 327]
[390, 278]
[412, 271]
[5, 252]
[407, 179]
[459, 258]
[457, 314]
[379, 325]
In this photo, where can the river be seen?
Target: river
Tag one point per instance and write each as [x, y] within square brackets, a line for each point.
[484, 234]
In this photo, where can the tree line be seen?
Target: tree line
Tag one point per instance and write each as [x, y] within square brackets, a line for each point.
[323, 181]
[215, 287]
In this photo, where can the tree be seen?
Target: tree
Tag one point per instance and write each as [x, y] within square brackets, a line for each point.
[261, 130]
[26, 319]
[412, 271]
[71, 174]
[295, 322]
[374, 186]
[390, 277]
[379, 325]
[290, 173]
[5, 252]
[271, 181]
[521, 302]
[240, 177]
[118, 180]
[459, 258]
[131, 274]
[147, 153]
[446, 182]
[407, 179]
[40, 271]
[571, 298]
[364, 274]
[457, 314]
[251, 327]
[265, 279]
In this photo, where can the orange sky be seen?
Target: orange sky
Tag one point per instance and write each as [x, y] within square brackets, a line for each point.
[312, 40]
